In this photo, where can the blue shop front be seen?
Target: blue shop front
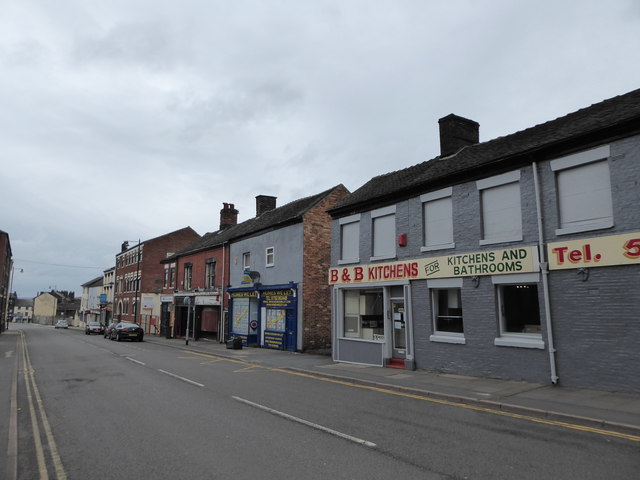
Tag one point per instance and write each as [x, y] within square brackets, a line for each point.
[265, 315]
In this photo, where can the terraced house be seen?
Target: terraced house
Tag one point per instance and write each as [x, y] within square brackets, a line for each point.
[516, 258]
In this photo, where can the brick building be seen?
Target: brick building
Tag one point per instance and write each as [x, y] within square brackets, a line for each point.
[139, 277]
[194, 281]
[516, 258]
[6, 267]
[279, 297]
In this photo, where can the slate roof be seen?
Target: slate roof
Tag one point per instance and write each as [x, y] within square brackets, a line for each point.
[288, 214]
[96, 282]
[577, 130]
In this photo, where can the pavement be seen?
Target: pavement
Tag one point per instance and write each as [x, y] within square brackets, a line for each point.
[612, 411]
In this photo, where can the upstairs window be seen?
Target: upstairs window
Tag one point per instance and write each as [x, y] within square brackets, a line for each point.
[188, 276]
[500, 209]
[437, 220]
[350, 239]
[384, 233]
[270, 256]
[583, 186]
[210, 273]
[246, 261]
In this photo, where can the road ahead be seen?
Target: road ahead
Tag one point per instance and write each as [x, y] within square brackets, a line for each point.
[90, 408]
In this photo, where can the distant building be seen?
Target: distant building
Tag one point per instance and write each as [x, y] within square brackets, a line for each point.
[22, 310]
[6, 267]
[106, 299]
[90, 300]
[56, 305]
[139, 277]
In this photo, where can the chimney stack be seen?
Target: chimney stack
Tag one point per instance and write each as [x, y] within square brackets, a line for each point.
[228, 216]
[457, 132]
[265, 203]
[125, 247]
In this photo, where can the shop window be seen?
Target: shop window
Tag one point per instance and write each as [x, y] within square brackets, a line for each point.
[519, 316]
[270, 256]
[584, 191]
[350, 239]
[500, 208]
[384, 233]
[446, 310]
[437, 220]
[363, 314]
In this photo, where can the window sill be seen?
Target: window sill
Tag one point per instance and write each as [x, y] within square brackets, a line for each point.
[360, 339]
[460, 340]
[444, 246]
[493, 241]
[585, 228]
[383, 257]
[533, 341]
[346, 262]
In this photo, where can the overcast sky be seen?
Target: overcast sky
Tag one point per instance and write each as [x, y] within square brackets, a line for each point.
[127, 119]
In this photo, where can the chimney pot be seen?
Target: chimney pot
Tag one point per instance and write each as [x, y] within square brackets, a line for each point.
[457, 132]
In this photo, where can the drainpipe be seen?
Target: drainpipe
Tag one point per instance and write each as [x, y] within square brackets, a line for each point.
[224, 268]
[544, 268]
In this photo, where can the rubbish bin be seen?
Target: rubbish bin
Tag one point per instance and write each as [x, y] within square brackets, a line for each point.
[234, 343]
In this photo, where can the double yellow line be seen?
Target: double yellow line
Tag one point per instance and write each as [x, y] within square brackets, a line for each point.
[424, 398]
[36, 409]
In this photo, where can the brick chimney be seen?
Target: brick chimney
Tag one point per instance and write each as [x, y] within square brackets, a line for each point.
[124, 247]
[228, 216]
[264, 203]
[457, 132]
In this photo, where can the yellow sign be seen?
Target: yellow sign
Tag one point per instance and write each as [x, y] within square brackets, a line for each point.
[490, 262]
[595, 252]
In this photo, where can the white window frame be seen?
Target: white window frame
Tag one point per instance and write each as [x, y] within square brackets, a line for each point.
[434, 286]
[353, 221]
[575, 161]
[270, 256]
[437, 196]
[246, 260]
[498, 181]
[377, 215]
[510, 339]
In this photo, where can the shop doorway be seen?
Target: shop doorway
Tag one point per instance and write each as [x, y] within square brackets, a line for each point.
[399, 335]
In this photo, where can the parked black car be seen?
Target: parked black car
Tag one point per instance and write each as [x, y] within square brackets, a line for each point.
[109, 329]
[125, 330]
[93, 327]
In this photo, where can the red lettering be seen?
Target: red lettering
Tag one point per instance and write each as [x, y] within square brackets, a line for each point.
[358, 274]
[632, 248]
[575, 256]
[333, 275]
[559, 253]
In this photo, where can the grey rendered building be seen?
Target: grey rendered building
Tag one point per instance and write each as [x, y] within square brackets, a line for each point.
[516, 258]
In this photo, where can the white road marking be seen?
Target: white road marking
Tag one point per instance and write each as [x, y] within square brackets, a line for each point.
[181, 378]
[135, 361]
[307, 423]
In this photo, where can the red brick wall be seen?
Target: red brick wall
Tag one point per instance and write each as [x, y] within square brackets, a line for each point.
[151, 270]
[316, 312]
[199, 269]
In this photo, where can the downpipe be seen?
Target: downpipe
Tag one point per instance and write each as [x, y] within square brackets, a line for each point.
[544, 268]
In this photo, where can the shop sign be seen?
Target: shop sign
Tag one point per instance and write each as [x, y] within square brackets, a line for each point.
[277, 298]
[595, 252]
[274, 340]
[490, 262]
[208, 300]
[147, 303]
[250, 294]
